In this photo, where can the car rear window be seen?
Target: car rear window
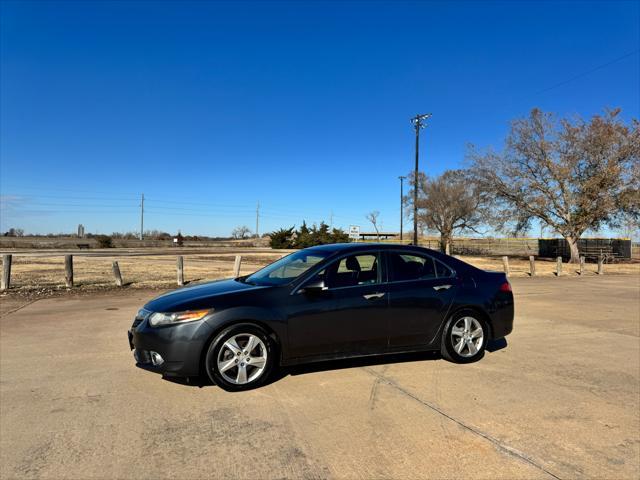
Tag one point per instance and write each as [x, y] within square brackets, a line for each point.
[416, 267]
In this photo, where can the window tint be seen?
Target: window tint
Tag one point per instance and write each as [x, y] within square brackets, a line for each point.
[412, 267]
[442, 270]
[352, 270]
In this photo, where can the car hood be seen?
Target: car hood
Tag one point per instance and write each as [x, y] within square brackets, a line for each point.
[197, 296]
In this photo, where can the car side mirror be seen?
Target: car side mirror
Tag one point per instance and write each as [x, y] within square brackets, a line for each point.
[314, 287]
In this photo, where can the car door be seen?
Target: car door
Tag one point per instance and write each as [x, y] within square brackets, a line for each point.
[421, 290]
[349, 317]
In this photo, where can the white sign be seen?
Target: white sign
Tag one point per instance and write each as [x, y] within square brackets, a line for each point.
[354, 231]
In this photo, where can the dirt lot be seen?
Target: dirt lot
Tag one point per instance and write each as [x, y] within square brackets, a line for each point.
[44, 272]
[562, 400]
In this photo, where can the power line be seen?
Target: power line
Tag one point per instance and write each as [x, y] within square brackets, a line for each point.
[587, 72]
[118, 205]
[118, 202]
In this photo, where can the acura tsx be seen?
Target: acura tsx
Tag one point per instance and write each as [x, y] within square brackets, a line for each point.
[321, 303]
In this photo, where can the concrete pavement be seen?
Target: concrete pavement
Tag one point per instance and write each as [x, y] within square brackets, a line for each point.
[562, 400]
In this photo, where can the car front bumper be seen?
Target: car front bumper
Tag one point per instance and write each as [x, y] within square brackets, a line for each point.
[179, 346]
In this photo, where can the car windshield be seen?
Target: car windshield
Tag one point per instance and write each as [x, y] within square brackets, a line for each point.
[287, 269]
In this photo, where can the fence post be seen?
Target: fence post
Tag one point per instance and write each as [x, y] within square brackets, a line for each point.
[505, 264]
[558, 266]
[600, 265]
[180, 267]
[6, 273]
[236, 266]
[581, 265]
[532, 265]
[116, 274]
[68, 270]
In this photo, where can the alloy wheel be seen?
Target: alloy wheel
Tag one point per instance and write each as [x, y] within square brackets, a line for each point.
[467, 337]
[242, 358]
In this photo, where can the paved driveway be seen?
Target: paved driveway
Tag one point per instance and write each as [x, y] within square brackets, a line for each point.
[562, 400]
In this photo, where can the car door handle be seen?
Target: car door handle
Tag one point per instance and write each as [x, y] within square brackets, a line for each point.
[371, 296]
[442, 287]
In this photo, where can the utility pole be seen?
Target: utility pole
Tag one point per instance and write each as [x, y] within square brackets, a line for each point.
[417, 125]
[257, 220]
[401, 177]
[331, 220]
[142, 217]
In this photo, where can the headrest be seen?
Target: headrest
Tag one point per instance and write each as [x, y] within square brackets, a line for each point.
[353, 264]
[413, 269]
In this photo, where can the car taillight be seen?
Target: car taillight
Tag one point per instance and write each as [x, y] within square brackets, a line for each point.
[505, 287]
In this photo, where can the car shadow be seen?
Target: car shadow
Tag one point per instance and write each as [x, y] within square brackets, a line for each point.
[329, 365]
[495, 345]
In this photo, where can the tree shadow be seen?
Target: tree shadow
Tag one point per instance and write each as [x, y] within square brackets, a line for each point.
[330, 365]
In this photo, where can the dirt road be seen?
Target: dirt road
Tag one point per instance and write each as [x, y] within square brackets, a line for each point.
[562, 400]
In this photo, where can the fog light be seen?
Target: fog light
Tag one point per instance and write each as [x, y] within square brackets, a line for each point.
[136, 356]
[156, 358]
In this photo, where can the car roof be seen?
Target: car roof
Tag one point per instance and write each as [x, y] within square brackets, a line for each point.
[338, 248]
[346, 247]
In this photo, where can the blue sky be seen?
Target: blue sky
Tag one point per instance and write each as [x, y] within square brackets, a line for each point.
[210, 107]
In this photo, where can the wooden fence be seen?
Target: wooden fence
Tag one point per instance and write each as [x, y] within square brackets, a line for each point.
[66, 273]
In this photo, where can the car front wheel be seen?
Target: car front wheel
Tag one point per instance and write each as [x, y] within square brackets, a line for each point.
[240, 358]
[464, 338]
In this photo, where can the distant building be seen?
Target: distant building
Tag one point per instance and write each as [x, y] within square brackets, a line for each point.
[81, 231]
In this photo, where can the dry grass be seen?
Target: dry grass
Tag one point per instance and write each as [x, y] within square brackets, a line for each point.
[46, 274]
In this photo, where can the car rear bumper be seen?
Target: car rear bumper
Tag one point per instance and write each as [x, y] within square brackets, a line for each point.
[501, 313]
[502, 322]
[179, 346]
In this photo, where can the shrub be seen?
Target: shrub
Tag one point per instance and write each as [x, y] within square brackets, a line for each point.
[282, 238]
[104, 241]
[307, 237]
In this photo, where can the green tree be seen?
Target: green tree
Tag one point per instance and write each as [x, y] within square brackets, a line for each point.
[282, 238]
[339, 236]
[321, 234]
[307, 237]
[304, 237]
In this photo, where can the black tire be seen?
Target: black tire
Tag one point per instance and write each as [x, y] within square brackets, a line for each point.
[448, 347]
[238, 333]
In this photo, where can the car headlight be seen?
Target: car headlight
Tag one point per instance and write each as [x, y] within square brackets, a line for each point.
[157, 319]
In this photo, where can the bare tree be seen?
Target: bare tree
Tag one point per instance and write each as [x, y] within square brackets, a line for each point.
[15, 232]
[408, 200]
[451, 203]
[373, 218]
[240, 232]
[571, 175]
[630, 227]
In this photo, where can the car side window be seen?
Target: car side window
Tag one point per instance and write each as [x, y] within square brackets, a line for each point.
[416, 267]
[352, 271]
[442, 271]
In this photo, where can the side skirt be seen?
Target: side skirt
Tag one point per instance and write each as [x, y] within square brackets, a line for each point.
[344, 356]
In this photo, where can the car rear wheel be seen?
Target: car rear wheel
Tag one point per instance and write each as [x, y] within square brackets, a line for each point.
[240, 358]
[464, 338]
